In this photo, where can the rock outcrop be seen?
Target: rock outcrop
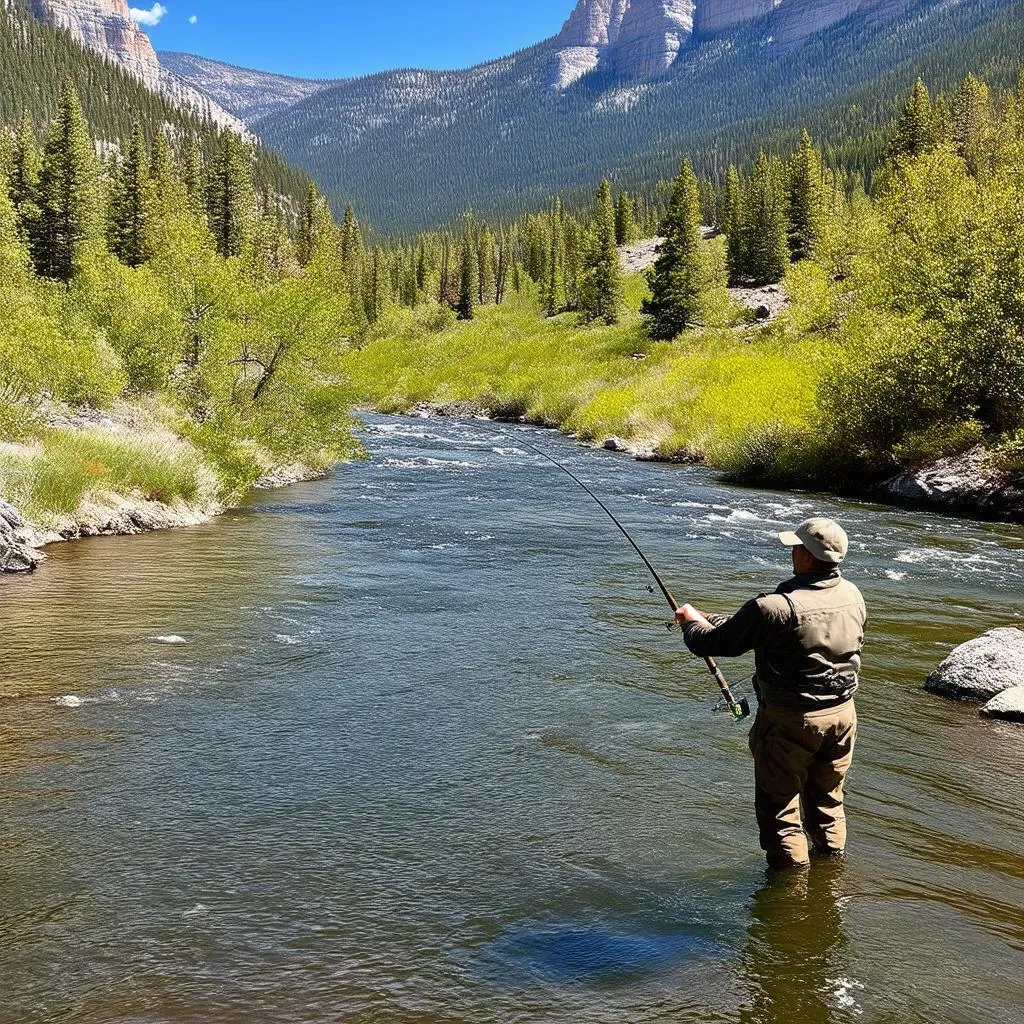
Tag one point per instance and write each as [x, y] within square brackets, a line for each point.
[640, 39]
[106, 26]
[963, 484]
[989, 668]
[17, 541]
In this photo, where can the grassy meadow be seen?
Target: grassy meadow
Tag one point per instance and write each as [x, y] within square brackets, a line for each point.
[702, 397]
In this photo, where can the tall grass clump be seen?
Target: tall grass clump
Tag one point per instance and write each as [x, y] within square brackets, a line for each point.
[66, 468]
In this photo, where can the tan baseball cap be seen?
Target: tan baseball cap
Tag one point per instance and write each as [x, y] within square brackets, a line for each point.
[824, 538]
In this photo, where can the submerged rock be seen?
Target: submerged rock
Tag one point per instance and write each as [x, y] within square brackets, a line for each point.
[982, 668]
[17, 553]
[1009, 705]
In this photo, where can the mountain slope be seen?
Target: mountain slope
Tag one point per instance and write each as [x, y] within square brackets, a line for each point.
[106, 26]
[36, 58]
[249, 95]
[412, 148]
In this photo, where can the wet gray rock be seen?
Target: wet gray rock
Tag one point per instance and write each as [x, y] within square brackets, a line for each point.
[982, 668]
[16, 551]
[615, 444]
[967, 483]
[1008, 705]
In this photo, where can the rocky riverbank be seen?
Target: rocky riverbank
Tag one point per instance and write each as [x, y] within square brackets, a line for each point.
[105, 511]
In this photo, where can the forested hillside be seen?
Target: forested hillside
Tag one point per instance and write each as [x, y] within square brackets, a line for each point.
[497, 140]
[901, 343]
[36, 59]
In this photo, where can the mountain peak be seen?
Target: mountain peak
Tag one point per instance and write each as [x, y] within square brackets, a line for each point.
[638, 39]
[106, 26]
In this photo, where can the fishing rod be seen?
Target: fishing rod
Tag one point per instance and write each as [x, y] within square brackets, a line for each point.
[739, 709]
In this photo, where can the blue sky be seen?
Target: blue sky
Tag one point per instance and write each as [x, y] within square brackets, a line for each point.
[329, 40]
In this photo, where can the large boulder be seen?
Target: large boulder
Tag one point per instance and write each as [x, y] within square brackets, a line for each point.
[17, 553]
[982, 668]
[1009, 705]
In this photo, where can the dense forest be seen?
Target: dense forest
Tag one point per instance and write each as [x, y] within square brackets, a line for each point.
[162, 274]
[903, 343]
[35, 60]
[498, 139]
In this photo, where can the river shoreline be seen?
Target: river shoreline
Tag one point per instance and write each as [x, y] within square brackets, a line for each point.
[962, 487]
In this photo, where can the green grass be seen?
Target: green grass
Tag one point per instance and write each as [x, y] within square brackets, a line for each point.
[702, 395]
[54, 477]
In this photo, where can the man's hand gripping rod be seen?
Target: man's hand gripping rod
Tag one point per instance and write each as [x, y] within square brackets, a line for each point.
[739, 709]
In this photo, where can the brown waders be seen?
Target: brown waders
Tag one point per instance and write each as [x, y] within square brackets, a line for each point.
[800, 762]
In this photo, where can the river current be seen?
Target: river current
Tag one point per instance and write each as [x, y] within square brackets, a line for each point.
[413, 744]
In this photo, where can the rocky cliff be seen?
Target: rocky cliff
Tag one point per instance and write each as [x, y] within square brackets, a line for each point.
[107, 27]
[639, 39]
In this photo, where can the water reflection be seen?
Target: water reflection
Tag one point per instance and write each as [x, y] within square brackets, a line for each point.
[794, 955]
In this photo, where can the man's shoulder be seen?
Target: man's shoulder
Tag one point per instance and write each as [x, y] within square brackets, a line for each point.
[773, 606]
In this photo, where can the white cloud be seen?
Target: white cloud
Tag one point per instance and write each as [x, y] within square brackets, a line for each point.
[193, 19]
[149, 18]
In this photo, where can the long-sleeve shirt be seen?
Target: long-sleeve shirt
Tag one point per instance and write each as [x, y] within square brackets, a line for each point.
[806, 637]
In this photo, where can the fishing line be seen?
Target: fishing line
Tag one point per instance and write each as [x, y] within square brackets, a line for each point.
[739, 709]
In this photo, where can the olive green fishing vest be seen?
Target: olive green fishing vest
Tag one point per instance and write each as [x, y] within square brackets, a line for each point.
[814, 661]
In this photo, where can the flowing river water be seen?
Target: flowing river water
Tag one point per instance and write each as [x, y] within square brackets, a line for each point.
[413, 744]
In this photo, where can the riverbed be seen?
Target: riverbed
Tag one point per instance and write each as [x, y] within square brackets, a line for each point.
[414, 744]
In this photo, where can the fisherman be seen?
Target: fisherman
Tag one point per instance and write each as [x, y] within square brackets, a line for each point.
[807, 639]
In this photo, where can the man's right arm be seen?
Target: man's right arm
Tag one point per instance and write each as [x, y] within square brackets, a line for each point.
[727, 638]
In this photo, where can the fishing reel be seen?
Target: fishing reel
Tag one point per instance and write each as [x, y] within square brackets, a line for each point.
[739, 710]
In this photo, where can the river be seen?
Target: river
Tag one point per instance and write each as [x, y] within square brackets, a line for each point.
[413, 744]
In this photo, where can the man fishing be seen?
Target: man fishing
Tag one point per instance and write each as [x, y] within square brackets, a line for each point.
[807, 639]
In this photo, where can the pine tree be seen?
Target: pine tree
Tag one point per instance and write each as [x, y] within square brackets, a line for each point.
[314, 225]
[485, 266]
[677, 279]
[466, 302]
[161, 163]
[733, 225]
[805, 199]
[603, 293]
[972, 125]
[625, 220]
[914, 131]
[68, 192]
[131, 205]
[766, 243]
[501, 267]
[192, 177]
[230, 196]
[554, 285]
[26, 164]
[375, 286]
